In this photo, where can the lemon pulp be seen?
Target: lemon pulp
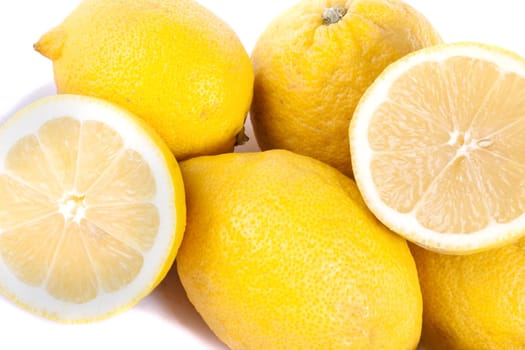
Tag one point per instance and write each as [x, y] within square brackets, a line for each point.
[441, 155]
[88, 209]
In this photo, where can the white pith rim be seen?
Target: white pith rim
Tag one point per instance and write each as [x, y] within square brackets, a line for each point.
[495, 234]
[28, 121]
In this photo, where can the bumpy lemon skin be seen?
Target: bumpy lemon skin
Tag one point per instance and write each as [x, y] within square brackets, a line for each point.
[473, 302]
[310, 75]
[171, 62]
[280, 252]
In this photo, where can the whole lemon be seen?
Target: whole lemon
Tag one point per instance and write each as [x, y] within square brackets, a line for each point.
[473, 302]
[171, 62]
[313, 63]
[281, 253]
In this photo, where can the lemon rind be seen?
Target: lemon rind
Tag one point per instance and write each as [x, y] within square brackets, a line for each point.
[492, 236]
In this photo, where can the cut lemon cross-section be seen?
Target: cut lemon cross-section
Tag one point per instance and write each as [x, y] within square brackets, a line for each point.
[92, 208]
[438, 147]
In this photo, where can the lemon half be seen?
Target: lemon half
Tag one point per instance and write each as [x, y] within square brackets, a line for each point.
[92, 209]
[438, 147]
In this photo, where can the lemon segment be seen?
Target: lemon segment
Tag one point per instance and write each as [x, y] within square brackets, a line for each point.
[93, 210]
[26, 161]
[31, 262]
[129, 179]
[438, 143]
[134, 224]
[71, 277]
[59, 138]
[98, 148]
[20, 203]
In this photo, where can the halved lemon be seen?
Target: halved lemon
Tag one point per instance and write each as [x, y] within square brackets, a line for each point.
[92, 208]
[438, 147]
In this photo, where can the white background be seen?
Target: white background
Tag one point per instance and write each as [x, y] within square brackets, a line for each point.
[166, 319]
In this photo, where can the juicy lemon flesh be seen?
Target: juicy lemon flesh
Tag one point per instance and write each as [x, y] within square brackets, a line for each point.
[452, 156]
[76, 212]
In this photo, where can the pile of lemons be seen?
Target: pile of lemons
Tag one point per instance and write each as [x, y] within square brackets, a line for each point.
[385, 210]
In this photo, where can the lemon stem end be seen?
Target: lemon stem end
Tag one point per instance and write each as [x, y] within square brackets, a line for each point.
[241, 138]
[333, 14]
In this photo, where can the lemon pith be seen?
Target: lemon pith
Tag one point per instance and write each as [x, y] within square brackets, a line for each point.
[92, 212]
[438, 147]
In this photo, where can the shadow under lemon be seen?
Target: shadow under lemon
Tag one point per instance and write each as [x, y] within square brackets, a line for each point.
[170, 298]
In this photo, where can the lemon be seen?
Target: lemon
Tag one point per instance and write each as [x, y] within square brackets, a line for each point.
[473, 302]
[171, 62]
[92, 210]
[438, 149]
[280, 252]
[313, 63]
